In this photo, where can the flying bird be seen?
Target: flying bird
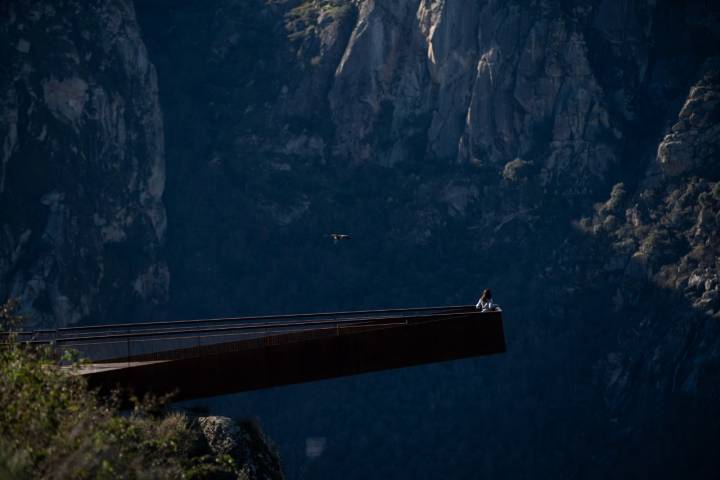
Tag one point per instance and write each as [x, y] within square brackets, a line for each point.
[339, 236]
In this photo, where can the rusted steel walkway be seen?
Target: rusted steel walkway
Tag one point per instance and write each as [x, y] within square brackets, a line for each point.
[199, 358]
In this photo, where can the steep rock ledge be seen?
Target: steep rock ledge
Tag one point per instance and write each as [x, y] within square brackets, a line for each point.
[667, 233]
[82, 172]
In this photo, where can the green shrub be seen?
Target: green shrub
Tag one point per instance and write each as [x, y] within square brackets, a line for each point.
[51, 427]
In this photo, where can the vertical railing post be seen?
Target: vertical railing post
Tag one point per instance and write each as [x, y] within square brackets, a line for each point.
[127, 332]
[56, 344]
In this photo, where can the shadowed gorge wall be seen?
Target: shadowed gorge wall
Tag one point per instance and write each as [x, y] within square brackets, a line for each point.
[82, 165]
[541, 148]
[562, 153]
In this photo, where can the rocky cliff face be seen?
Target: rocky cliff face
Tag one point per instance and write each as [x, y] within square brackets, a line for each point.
[666, 234]
[441, 121]
[564, 153]
[245, 444]
[83, 164]
[667, 231]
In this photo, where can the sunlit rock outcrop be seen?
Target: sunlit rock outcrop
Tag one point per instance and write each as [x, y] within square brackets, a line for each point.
[244, 443]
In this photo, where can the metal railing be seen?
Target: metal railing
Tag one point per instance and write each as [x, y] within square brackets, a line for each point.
[180, 339]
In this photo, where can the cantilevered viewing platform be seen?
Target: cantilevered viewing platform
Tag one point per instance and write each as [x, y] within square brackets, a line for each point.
[200, 358]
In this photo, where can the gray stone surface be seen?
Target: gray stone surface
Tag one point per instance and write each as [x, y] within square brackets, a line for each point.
[82, 164]
[245, 443]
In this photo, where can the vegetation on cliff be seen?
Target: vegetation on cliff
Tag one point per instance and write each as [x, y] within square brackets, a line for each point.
[52, 427]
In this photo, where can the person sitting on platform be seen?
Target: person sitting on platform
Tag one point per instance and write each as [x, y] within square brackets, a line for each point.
[486, 303]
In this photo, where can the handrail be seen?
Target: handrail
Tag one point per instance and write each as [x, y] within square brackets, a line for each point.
[259, 317]
[118, 336]
[145, 325]
[288, 336]
[397, 322]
